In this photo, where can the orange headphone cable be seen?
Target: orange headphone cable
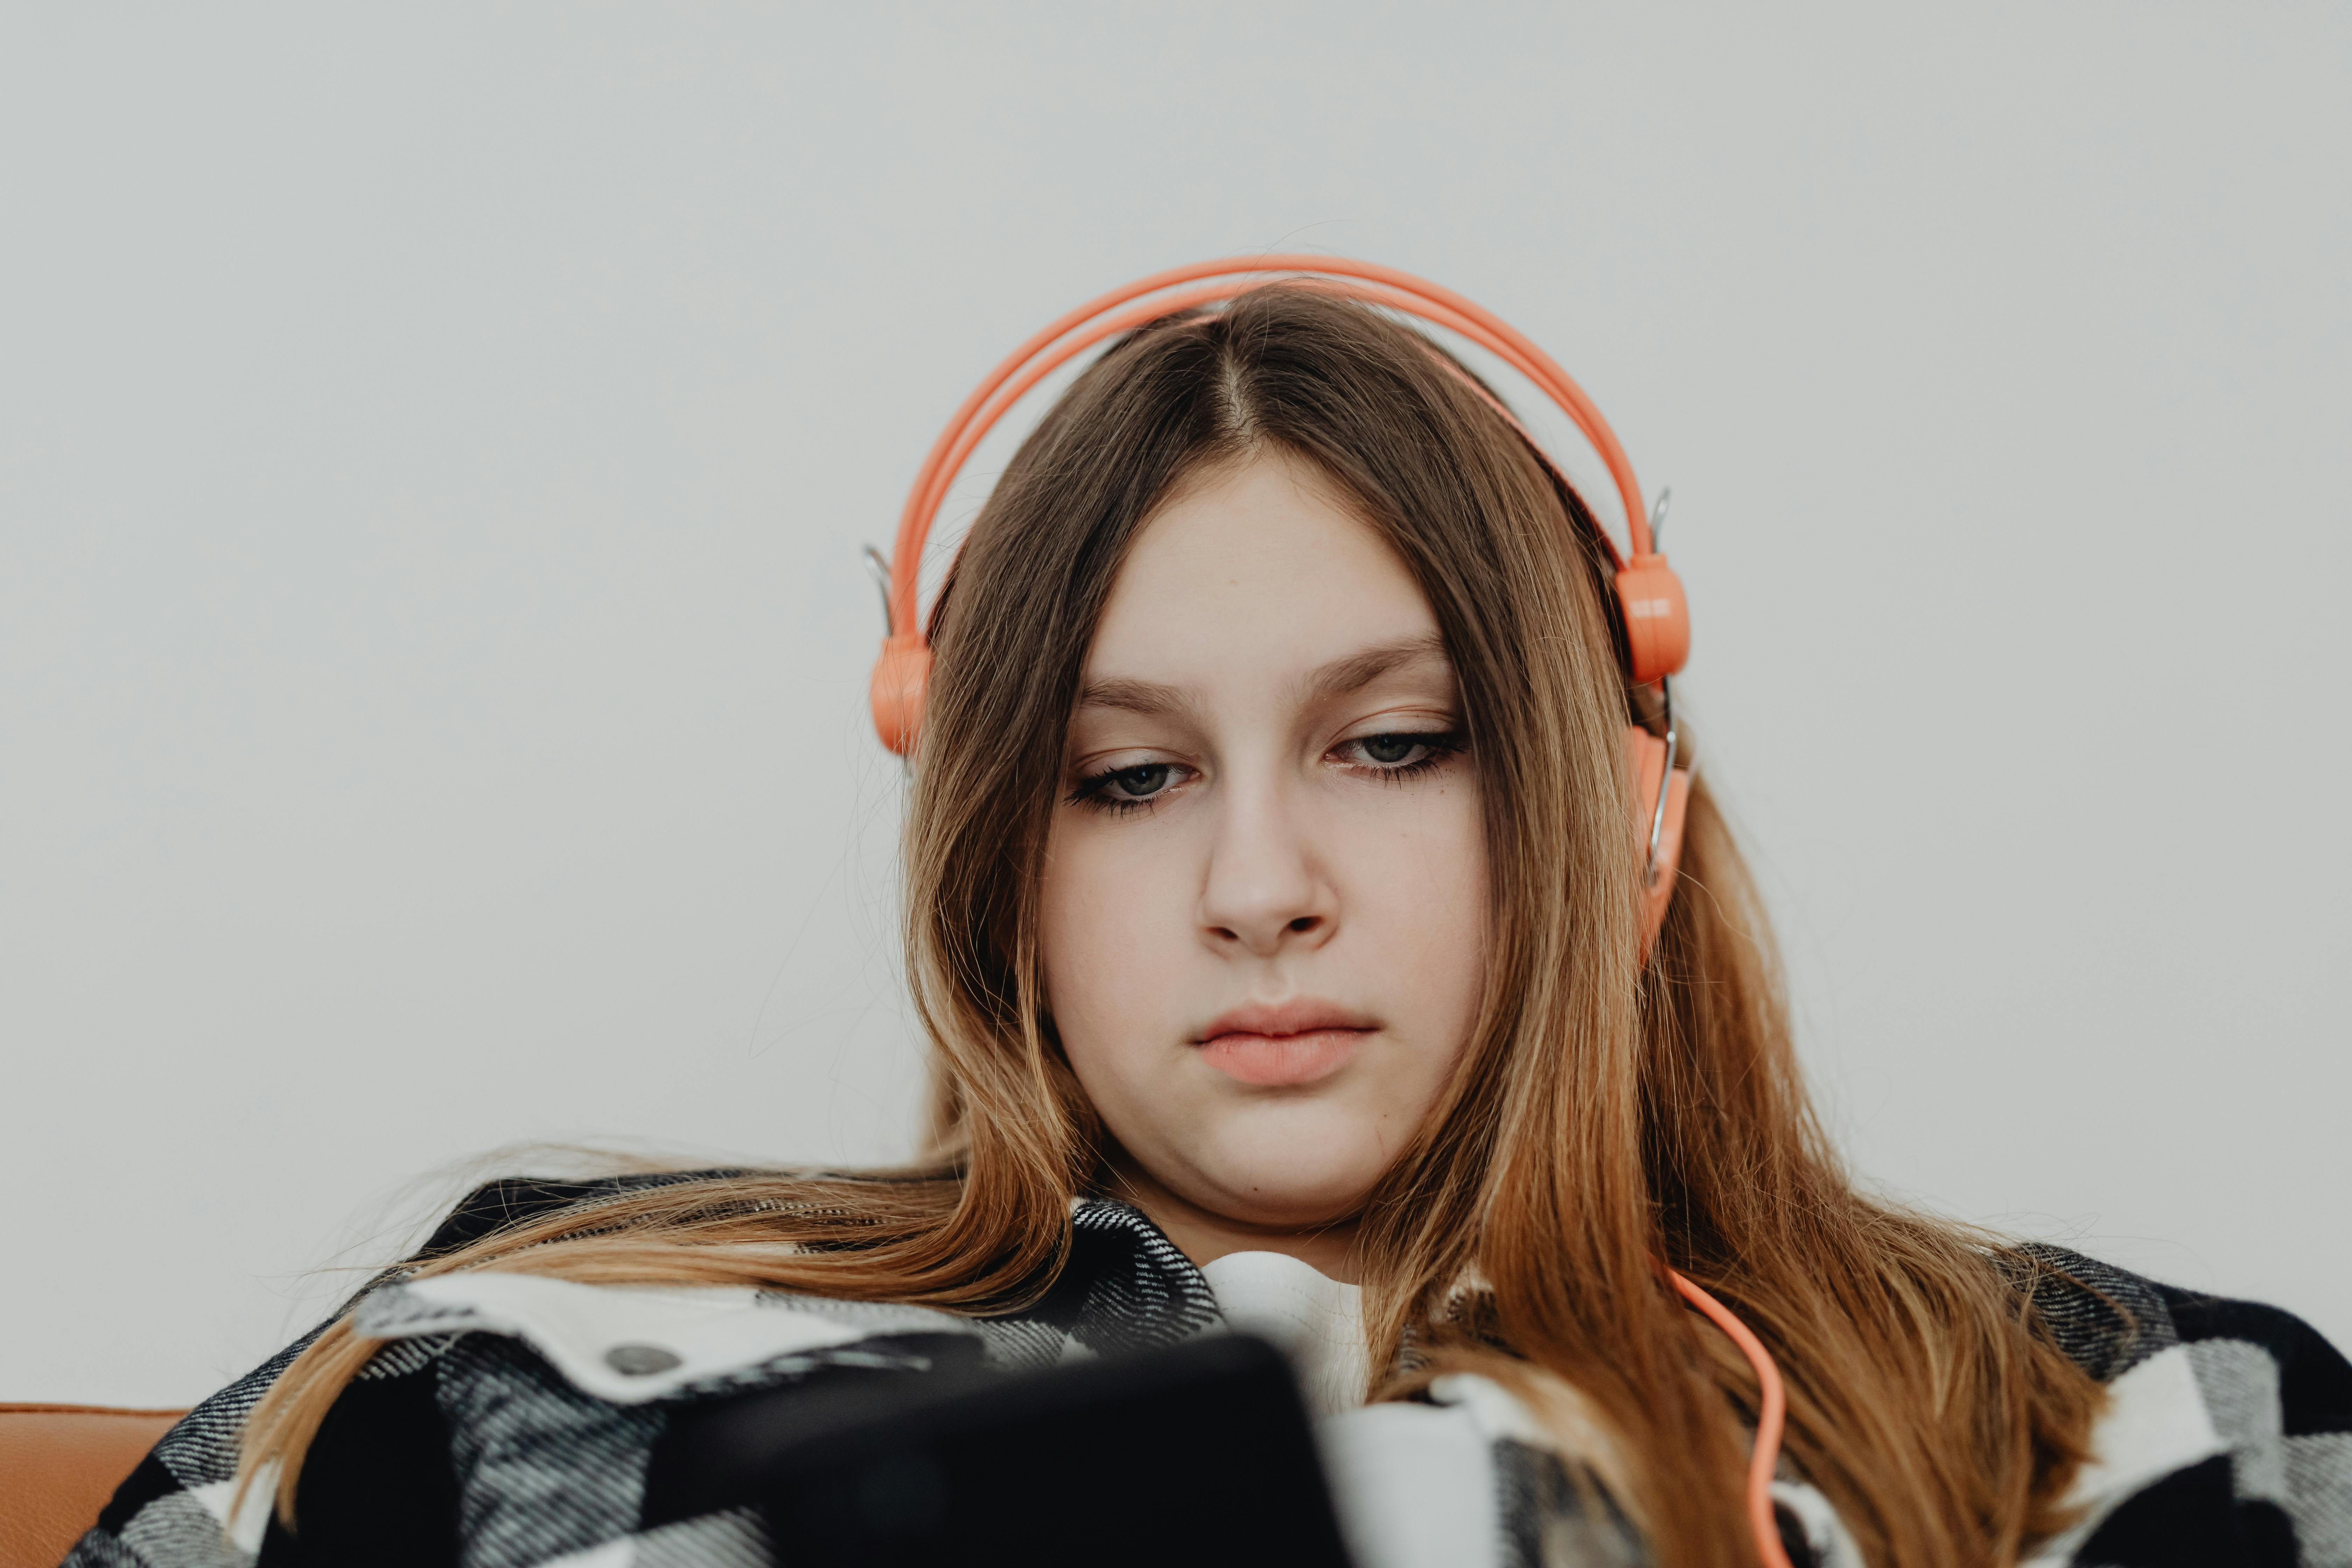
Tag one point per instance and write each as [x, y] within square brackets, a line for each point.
[1771, 1414]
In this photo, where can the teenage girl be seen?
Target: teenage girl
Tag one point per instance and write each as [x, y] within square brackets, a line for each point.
[1317, 929]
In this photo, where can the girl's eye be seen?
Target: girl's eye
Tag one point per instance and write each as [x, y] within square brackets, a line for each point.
[1139, 783]
[1128, 789]
[1403, 753]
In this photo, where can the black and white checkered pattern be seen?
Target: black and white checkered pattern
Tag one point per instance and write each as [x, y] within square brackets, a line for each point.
[2230, 1441]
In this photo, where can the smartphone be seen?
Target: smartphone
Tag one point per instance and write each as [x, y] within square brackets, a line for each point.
[1195, 1453]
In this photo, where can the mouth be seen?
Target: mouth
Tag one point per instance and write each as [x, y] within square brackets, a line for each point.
[1284, 1044]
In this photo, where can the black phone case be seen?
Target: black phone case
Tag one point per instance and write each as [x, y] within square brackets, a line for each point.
[1199, 1452]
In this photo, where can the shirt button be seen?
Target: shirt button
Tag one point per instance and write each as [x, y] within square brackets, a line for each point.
[640, 1361]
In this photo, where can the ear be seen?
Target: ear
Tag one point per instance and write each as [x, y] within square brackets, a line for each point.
[1646, 763]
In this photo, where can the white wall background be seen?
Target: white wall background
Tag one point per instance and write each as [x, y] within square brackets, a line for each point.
[433, 443]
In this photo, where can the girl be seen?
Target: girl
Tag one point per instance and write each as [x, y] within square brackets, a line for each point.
[1289, 963]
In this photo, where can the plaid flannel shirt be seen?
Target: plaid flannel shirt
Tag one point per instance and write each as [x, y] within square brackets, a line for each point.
[481, 1436]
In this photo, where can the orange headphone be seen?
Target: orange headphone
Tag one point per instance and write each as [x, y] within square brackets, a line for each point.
[1650, 606]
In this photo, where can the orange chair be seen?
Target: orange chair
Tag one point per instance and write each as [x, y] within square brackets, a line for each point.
[58, 1466]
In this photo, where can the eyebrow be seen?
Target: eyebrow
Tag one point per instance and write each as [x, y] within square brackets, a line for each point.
[1148, 697]
[1359, 670]
[1340, 676]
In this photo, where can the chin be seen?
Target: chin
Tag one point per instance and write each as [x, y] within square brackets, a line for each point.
[1296, 1182]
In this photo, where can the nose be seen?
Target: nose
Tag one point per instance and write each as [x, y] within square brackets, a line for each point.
[1264, 893]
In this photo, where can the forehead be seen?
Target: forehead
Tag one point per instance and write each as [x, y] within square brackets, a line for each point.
[1256, 570]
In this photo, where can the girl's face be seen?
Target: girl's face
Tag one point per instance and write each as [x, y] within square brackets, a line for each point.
[1264, 890]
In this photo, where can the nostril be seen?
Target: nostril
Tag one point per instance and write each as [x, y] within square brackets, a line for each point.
[1306, 922]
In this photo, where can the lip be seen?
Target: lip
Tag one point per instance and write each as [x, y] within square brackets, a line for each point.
[1284, 1044]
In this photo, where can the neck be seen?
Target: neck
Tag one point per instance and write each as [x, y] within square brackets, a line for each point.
[1204, 1236]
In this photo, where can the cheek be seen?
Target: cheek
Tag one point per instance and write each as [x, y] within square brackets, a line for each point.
[1419, 903]
[1111, 930]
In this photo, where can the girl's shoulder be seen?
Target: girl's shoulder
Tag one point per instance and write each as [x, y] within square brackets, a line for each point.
[537, 1409]
[2228, 1432]
[514, 1201]
[2109, 1321]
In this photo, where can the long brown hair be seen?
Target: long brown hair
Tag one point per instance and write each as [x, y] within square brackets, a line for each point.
[1609, 1114]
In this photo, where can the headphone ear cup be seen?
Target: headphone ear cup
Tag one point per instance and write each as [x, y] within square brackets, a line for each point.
[1656, 616]
[902, 675]
[1645, 758]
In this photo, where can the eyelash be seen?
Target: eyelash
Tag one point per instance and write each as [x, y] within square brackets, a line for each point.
[1443, 745]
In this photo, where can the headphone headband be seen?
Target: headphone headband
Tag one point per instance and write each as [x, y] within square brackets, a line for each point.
[1649, 597]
